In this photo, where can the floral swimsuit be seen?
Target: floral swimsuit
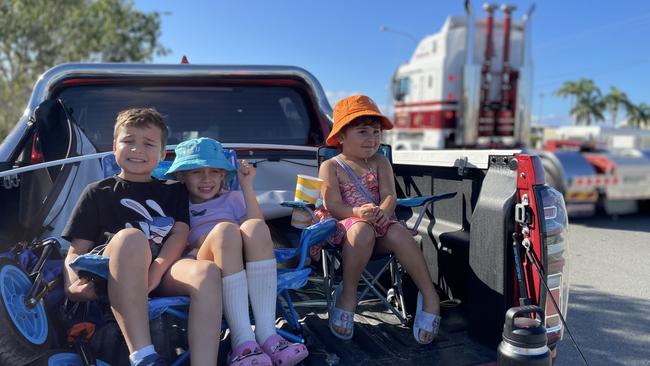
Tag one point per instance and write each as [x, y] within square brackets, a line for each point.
[351, 195]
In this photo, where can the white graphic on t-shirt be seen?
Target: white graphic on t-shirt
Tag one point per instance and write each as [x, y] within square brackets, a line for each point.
[155, 228]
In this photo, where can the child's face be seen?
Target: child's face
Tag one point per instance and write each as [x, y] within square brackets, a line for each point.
[203, 184]
[138, 151]
[362, 138]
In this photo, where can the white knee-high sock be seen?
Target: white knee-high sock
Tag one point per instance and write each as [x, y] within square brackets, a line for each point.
[235, 308]
[262, 287]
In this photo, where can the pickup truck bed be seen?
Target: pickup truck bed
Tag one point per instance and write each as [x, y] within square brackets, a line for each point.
[379, 339]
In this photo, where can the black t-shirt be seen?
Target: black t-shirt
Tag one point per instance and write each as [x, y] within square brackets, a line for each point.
[112, 204]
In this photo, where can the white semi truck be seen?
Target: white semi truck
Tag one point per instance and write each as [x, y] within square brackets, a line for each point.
[470, 85]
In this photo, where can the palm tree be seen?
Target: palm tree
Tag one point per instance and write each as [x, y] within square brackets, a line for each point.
[614, 100]
[587, 100]
[638, 115]
[587, 108]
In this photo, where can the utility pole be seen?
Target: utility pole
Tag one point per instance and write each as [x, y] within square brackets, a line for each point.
[541, 104]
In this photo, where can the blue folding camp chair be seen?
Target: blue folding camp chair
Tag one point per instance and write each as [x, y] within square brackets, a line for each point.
[288, 278]
[393, 296]
[296, 277]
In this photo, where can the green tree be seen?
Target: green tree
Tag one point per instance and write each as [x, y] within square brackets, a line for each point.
[587, 100]
[638, 115]
[615, 100]
[38, 34]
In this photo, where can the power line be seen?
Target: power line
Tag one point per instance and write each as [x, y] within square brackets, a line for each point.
[560, 78]
[623, 24]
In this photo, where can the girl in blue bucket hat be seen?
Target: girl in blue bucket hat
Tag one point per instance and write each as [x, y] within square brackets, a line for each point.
[227, 227]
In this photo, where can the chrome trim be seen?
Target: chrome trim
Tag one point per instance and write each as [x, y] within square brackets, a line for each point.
[265, 147]
[448, 158]
[523, 109]
[524, 351]
[76, 159]
[48, 80]
[555, 329]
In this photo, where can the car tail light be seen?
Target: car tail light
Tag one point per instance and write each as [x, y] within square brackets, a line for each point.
[554, 258]
[36, 156]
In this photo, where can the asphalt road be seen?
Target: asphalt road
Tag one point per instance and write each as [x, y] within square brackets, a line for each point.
[609, 300]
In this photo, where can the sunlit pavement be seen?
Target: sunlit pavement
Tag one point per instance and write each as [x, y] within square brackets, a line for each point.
[609, 303]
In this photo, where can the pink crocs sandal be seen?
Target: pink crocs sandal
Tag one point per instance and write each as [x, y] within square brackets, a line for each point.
[282, 352]
[248, 354]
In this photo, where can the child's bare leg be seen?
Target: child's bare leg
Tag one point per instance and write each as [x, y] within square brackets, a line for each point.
[223, 246]
[258, 244]
[201, 281]
[127, 285]
[358, 245]
[399, 241]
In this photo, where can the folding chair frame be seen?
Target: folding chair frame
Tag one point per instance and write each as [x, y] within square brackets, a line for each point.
[332, 258]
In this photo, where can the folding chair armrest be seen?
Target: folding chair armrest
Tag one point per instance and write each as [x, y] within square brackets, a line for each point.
[284, 254]
[299, 204]
[424, 202]
[311, 236]
[93, 264]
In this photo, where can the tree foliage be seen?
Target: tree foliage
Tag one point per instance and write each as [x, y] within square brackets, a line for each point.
[615, 100]
[588, 103]
[38, 34]
[638, 115]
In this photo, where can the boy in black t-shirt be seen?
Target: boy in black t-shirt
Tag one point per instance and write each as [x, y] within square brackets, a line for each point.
[142, 224]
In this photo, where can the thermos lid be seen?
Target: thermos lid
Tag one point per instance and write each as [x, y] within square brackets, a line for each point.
[522, 331]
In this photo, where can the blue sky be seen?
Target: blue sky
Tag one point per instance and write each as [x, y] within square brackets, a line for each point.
[340, 41]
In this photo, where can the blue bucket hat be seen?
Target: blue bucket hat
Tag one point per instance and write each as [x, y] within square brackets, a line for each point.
[200, 153]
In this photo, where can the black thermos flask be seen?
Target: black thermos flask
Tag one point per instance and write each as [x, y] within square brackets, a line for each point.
[524, 339]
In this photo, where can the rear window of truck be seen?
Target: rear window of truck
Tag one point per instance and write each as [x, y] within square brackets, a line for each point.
[230, 114]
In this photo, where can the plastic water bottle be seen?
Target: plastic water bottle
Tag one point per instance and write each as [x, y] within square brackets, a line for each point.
[524, 339]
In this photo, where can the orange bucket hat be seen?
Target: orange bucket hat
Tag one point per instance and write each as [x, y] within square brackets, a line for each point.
[347, 109]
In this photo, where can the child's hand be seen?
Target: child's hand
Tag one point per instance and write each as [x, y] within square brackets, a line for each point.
[245, 174]
[380, 217]
[83, 289]
[367, 212]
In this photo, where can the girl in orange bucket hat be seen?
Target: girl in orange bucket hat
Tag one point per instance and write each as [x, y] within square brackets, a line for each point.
[359, 190]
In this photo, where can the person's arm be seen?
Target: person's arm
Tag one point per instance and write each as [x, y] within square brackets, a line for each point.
[246, 175]
[81, 228]
[171, 250]
[332, 196]
[387, 195]
[76, 288]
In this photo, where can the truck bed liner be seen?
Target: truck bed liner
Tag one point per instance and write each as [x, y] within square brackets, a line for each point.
[379, 339]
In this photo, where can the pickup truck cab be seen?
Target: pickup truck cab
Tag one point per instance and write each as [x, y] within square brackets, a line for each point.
[275, 117]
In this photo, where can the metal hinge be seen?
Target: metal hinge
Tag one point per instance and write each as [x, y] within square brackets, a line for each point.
[462, 166]
[522, 212]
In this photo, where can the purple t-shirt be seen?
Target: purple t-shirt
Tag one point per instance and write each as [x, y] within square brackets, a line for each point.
[229, 206]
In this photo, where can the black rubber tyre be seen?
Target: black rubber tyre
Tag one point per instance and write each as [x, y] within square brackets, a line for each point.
[27, 340]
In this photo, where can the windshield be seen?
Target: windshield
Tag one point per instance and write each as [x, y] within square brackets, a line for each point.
[237, 114]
